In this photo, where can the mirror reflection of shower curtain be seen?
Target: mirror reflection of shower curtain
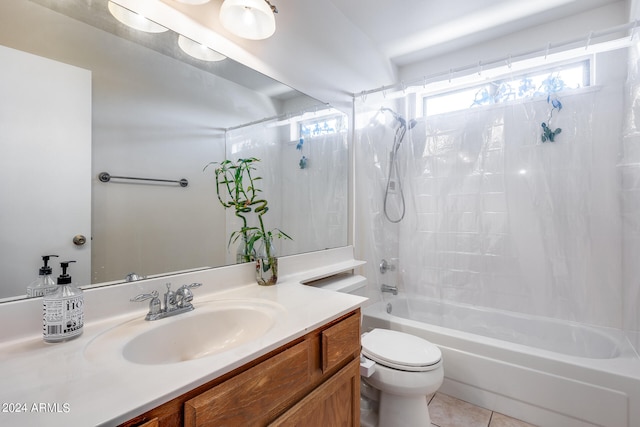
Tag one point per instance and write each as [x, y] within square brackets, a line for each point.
[310, 204]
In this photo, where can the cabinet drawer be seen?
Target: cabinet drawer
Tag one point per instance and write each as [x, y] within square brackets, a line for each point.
[340, 342]
[256, 395]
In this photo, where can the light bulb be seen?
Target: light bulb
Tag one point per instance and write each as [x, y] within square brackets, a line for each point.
[134, 20]
[249, 19]
[198, 50]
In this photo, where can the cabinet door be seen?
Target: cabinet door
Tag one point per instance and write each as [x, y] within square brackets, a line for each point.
[340, 343]
[335, 403]
[256, 396]
[151, 423]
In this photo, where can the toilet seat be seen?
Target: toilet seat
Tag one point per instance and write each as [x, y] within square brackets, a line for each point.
[401, 351]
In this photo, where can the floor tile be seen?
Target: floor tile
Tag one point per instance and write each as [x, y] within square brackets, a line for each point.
[447, 411]
[500, 420]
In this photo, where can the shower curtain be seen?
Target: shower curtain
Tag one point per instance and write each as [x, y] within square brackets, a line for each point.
[495, 217]
[630, 191]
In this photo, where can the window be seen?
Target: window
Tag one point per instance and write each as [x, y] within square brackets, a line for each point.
[320, 127]
[525, 86]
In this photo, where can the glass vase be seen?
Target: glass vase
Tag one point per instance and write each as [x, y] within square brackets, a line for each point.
[266, 264]
[267, 271]
[243, 254]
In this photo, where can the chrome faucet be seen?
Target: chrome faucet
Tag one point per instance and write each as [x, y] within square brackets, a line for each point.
[389, 288]
[386, 266]
[184, 296]
[132, 277]
[169, 299]
[175, 302]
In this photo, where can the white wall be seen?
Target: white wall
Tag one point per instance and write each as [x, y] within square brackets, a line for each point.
[45, 168]
[634, 9]
[521, 41]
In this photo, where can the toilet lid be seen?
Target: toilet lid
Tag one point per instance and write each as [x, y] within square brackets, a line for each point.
[400, 350]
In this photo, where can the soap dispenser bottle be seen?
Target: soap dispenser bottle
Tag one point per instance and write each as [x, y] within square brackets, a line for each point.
[63, 310]
[44, 284]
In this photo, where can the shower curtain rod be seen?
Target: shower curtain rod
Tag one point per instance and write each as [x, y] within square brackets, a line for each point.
[550, 47]
[281, 116]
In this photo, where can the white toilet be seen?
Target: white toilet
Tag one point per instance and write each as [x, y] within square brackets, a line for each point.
[403, 370]
[398, 370]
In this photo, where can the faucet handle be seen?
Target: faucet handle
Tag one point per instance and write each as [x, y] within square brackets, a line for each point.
[386, 266]
[185, 295]
[155, 306]
[192, 285]
[144, 297]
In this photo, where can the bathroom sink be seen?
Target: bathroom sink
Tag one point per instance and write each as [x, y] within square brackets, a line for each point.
[210, 329]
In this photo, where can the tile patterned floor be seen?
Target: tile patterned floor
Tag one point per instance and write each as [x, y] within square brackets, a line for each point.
[447, 411]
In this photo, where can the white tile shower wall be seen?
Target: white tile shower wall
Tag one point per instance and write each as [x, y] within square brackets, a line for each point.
[501, 220]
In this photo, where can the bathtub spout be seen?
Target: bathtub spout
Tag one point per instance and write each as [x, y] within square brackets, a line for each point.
[389, 288]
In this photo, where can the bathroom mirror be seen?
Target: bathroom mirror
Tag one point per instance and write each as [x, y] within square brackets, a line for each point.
[153, 112]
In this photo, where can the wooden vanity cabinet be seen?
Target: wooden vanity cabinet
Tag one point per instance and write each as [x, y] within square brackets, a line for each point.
[311, 381]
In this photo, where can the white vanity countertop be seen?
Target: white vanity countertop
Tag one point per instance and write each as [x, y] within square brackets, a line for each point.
[64, 384]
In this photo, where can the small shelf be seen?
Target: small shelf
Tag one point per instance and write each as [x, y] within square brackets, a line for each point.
[331, 270]
[341, 282]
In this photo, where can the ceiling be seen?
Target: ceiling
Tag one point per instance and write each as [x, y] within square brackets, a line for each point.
[407, 31]
[333, 49]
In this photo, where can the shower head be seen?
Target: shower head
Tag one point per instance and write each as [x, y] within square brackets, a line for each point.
[401, 120]
[395, 115]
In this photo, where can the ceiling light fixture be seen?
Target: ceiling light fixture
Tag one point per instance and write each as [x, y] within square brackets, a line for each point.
[249, 19]
[134, 20]
[198, 50]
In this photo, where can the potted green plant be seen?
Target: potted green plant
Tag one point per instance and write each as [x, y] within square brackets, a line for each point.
[236, 181]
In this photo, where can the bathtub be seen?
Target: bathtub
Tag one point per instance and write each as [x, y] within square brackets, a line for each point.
[543, 371]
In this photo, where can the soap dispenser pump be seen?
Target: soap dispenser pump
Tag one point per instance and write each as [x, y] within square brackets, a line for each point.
[63, 310]
[44, 284]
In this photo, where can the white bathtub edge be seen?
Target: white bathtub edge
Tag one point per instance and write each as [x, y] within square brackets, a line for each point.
[530, 395]
[529, 387]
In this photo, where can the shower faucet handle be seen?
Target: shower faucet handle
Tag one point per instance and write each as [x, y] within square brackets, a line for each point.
[386, 266]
